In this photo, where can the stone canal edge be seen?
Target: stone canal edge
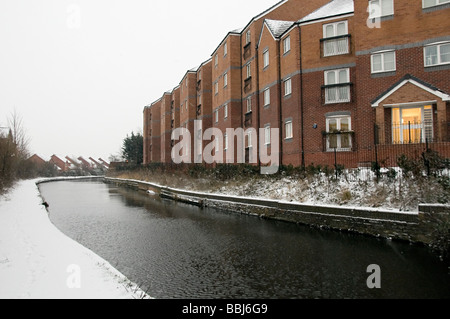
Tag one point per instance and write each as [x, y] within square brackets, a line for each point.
[427, 226]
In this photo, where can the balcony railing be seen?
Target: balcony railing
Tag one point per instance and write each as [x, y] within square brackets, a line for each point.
[340, 141]
[335, 45]
[412, 132]
[337, 93]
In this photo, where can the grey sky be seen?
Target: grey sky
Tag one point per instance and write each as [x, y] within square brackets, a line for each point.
[80, 72]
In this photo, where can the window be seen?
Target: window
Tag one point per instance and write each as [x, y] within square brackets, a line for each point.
[433, 3]
[335, 46]
[248, 38]
[225, 141]
[412, 125]
[225, 111]
[266, 58]
[267, 135]
[249, 104]
[287, 87]
[249, 139]
[437, 54]
[287, 45]
[288, 129]
[225, 49]
[216, 60]
[225, 80]
[339, 133]
[380, 8]
[266, 97]
[383, 62]
[249, 71]
[217, 115]
[216, 88]
[337, 86]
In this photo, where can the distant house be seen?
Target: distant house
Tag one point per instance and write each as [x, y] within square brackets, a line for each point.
[59, 163]
[37, 160]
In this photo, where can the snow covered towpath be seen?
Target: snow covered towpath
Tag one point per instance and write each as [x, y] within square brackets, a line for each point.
[37, 261]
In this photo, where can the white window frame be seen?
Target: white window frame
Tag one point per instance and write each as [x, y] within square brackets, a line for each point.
[288, 87]
[266, 59]
[424, 125]
[225, 141]
[225, 49]
[339, 136]
[336, 72]
[383, 66]
[337, 46]
[267, 134]
[217, 115]
[249, 140]
[375, 12]
[225, 111]
[267, 97]
[216, 88]
[249, 104]
[335, 28]
[287, 44]
[249, 70]
[225, 80]
[248, 37]
[289, 129]
[436, 3]
[216, 60]
[438, 52]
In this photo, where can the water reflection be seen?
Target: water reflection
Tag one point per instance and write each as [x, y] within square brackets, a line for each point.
[181, 251]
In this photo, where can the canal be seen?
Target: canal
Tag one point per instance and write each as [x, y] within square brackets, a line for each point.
[177, 251]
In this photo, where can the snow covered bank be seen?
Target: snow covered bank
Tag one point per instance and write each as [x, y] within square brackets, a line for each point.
[37, 261]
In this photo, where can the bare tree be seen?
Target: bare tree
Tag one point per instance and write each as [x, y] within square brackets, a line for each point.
[18, 135]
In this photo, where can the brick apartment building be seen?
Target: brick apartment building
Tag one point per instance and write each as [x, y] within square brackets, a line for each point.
[336, 77]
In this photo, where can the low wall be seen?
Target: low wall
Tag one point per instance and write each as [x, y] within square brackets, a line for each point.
[413, 227]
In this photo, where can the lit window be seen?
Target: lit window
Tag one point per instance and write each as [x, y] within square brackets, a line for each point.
[383, 62]
[266, 58]
[381, 8]
[266, 97]
[287, 87]
[288, 129]
[437, 54]
[287, 45]
[412, 125]
[433, 3]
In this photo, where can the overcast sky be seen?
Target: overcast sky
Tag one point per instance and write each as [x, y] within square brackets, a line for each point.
[79, 72]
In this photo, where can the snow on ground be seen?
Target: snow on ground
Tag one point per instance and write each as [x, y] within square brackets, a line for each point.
[37, 261]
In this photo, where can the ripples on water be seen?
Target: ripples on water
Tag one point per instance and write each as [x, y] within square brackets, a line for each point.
[175, 250]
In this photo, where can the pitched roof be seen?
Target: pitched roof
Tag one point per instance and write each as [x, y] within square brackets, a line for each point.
[331, 9]
[408, 78]
[278, 27]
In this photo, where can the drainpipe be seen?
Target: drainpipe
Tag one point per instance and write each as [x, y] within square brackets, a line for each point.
[258, 117]
[280, 100]
[302, 133]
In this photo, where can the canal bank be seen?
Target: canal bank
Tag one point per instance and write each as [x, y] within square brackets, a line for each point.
[429, 226]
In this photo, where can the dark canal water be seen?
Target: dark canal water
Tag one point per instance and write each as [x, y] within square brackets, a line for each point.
[176, 251]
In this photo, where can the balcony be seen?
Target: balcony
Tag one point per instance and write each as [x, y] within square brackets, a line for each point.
[337, 93]
[248, 84]
[335, 46]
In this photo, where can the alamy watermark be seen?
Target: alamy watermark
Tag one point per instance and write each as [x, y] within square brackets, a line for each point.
[374, 19]
[221, 149]
[374, 280]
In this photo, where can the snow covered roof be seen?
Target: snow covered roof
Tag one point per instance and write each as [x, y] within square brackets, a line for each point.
[278, 27]
[332, 9]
